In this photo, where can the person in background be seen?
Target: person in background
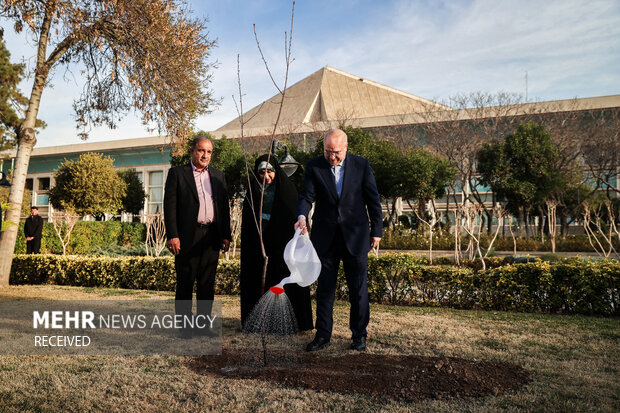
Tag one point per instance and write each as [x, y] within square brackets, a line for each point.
[33, 231]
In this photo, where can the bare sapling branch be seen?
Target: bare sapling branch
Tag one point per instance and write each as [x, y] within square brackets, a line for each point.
[64, 222]
[155, 241]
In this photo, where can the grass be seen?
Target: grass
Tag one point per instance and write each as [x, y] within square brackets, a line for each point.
[574, 361]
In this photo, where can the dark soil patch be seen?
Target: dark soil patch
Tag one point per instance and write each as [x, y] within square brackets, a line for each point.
[405, 378]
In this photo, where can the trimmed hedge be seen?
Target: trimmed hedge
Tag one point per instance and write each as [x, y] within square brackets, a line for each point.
[145, 273]
[87, 236]
[567, 286]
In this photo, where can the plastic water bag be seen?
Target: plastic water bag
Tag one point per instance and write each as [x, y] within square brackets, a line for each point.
[302, 261]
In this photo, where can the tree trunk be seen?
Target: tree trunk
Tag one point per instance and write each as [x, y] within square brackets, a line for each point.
[26, 142]
[541, 223]
[526, 221]
[489, 214]
[389, 215]
[16, 195]
[563, 225]
[520, 221]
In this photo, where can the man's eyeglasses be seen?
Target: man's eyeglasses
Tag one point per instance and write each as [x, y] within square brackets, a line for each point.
[329, 153]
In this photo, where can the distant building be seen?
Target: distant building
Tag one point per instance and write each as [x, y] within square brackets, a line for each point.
[323, 100]
[150, 157]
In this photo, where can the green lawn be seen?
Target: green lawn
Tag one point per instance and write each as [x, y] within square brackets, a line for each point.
[574, 362]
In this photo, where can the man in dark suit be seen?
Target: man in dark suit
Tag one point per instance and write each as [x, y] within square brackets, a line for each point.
[33, 230]
[347, 222]
[197, 218]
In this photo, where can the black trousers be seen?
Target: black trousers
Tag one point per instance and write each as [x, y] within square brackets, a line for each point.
[197, 264]
[34, 246]
[355, 270]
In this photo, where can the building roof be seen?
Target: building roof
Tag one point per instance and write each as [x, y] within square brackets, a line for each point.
[328, 96]
[553, 106]
[103, 146]
[126, 153]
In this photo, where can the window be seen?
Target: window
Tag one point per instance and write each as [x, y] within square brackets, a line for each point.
[41, 191]
[43, 184]
[42, 199]
[155, 192]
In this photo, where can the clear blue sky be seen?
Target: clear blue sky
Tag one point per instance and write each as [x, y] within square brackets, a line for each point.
[434, 49]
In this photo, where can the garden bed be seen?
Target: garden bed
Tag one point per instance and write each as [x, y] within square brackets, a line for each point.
[408, 378]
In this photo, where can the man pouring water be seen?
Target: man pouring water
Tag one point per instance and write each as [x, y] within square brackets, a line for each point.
[347, 222]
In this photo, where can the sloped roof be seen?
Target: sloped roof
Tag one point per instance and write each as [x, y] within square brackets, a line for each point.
[326, 96]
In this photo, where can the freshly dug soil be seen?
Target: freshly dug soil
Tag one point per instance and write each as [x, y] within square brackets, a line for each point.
[397, 377]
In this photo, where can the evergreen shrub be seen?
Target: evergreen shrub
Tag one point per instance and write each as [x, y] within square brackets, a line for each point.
[567, 286]
[145, 273]
[87, 236]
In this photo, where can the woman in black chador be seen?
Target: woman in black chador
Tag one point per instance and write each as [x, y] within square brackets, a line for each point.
[279, 205]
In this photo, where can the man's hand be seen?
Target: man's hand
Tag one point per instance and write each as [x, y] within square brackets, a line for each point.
[174, 245]
[374, 242]
[225, 245]
[301, 223]
[29, 238]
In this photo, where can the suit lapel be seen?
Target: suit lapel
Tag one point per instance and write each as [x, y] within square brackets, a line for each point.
[188, 174]
[328, 177]
[348, 175]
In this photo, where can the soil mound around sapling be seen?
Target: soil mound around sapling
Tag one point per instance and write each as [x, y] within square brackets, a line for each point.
[396, 377]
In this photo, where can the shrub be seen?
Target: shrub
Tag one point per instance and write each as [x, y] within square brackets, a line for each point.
[87, 236]
[568, 286]
[145, 273]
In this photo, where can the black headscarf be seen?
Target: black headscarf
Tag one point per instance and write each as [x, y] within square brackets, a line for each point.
[279, 230]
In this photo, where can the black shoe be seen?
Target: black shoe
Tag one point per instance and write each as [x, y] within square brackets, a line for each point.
[185, 333]
[358, 344]
[319, 343]
[205, 332]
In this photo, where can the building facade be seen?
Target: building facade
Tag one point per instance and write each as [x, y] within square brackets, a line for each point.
[325, 99]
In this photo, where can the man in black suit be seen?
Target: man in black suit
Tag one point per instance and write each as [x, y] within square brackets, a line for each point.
[33, 230]
[197, 218]
[347, 222]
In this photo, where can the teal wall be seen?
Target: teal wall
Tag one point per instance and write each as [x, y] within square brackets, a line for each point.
[122, 158]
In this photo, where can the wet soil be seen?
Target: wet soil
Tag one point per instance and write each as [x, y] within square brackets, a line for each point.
[396, 377]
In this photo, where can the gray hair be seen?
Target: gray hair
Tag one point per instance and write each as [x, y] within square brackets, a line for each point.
[199, 138]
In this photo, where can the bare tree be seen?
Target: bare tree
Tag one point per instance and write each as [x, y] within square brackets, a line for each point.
[155, 241]
[472, 214]
[499, 212]
[510, 219]
[600, 149]
[257, 215]
[64, 222]
[552, 205]
[600, 239]
[459, 133]
[434, 216]
[235, 224]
